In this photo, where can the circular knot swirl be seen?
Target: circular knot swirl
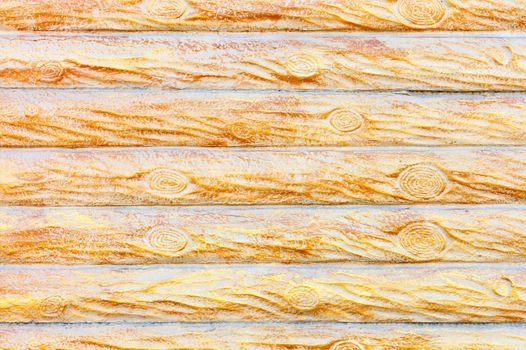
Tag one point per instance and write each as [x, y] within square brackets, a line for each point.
[167, 8]
[52, 306]
[345, 120]
[303, 65]
[346, 345]
[422, 13]
[503, 287]
[50, 72]
[423, 240]
[423, 181]
[166, 239]
[32, 111]
[167, 182]
[502, 56]
[242, 131]
[303, 298]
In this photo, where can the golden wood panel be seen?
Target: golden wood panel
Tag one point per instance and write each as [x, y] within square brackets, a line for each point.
[262, 15]
[62, 118]
[194, 176]
[255, 235]
[264, 336]
[433, 293]
[265, 61]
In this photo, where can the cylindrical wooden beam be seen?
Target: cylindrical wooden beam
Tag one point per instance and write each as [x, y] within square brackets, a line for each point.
[204, 293]
[87, 118]
[196, 176]
[257, 235]
[263, 15]
[263, 336]
[286, 61]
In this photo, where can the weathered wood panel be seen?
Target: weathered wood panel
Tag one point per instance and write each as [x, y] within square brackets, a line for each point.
[265, 61]
[434, 293]
[255, 235]
[193, 176]
[61, 118]
[258, 15]
[263, 336]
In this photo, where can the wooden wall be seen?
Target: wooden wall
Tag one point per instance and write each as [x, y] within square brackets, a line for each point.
[262, 174]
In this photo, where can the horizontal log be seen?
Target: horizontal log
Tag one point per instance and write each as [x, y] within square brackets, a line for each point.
[263, 336]
[194, 293]
[255, 235]
[80, 118]
[179, 176]
[262, 15]
[288, 61]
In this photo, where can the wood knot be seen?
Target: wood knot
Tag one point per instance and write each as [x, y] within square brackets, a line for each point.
[166, 239]
[503, 287]
[303, 65]
[303, 297]
[423, 181]
[345, 120]
[32, 111]
[423, 240]
[346, 345]
[242, 131]
[502, 56]
[52, 306]
[167, 8]
[421, 13]
[50, 72]
[167, 182]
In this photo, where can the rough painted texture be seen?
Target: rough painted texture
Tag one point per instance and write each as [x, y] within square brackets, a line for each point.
[263, 15]
[123, 296]
[292, 61]
[254, 235]
[190, 176]
[347, 293]
[62, 118]
[264, 336]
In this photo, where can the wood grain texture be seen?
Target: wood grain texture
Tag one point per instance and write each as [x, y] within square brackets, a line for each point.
[62, 118]
[195, 176]
[263, 336]
[292, 61]
[433, 293]
[256, 235]
[263, 15]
